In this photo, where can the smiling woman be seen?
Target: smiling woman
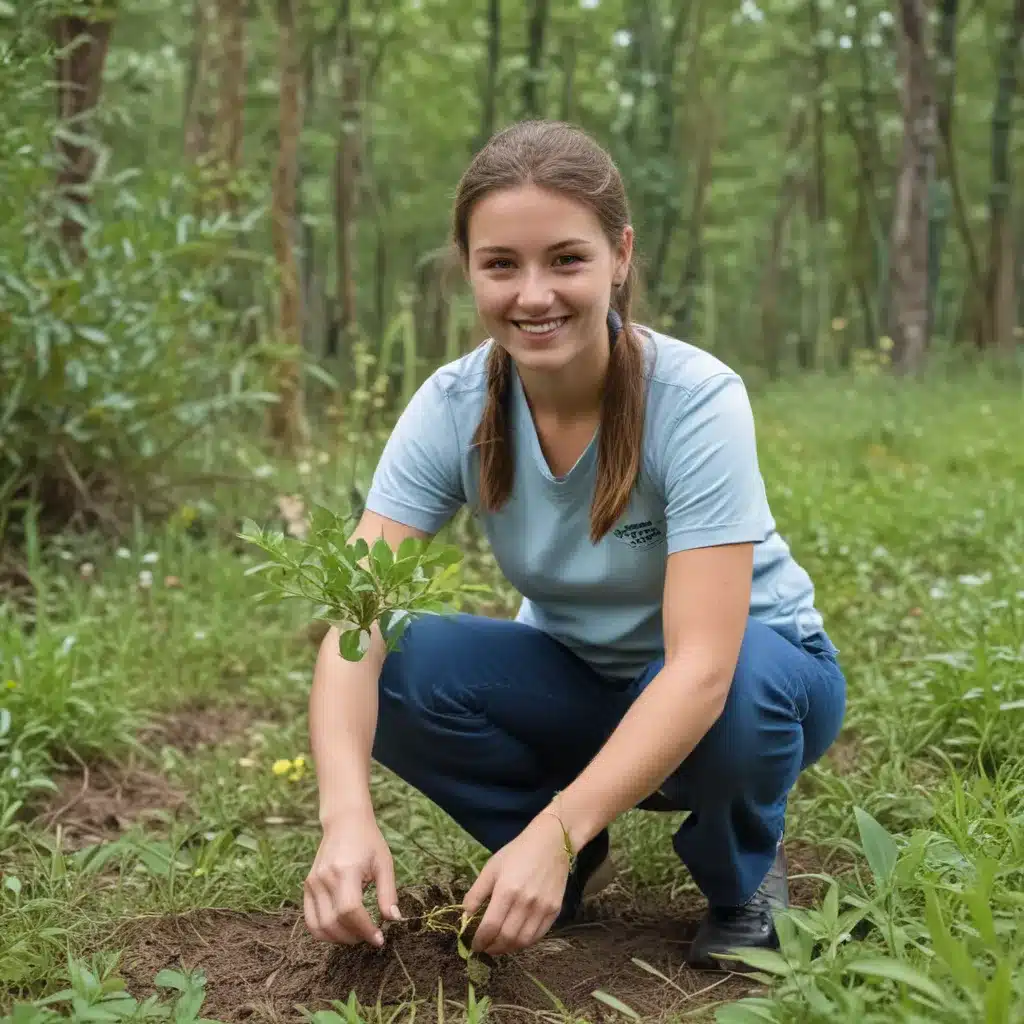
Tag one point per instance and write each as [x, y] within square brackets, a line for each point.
[667, 654]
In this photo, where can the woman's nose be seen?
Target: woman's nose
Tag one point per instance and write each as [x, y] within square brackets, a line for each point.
[535, 292]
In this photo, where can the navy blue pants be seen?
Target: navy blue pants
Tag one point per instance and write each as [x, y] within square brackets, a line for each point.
[488, 718]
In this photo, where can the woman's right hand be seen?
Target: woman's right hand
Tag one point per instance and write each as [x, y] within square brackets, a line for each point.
[352, 853]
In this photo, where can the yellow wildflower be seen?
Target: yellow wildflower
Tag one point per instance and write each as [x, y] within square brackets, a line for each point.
[281, 766]
[11, 684]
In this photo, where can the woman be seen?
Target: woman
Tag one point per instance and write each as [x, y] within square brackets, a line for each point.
[667, 653]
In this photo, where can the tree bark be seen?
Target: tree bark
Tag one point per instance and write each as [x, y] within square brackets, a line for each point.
[82, 43]
[197, 119]
[807, 349]
[490, 97]
[532, 106]
[771, 346]
[996, 324]
[346, 181]
[945, 80]
[908, 313]
[230, 98]
[287, 422]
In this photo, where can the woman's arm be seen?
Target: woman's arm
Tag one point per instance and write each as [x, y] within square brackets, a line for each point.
[705, 611]
[343, 702]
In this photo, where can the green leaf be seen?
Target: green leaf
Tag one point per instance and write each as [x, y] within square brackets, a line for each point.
[879, 847]
[360, 549]
[952, 951]
[186, 1009]
[830, 906]
[746, 1011]
[93, 334]
[382, 555]
[897, 970]
[762, 960]
[171, 979]
[354, 644]
[13, 883]
[615, 1004]
[999, 995]
[411, 547]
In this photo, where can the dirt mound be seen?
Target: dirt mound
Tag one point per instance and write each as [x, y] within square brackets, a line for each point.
[263, 966]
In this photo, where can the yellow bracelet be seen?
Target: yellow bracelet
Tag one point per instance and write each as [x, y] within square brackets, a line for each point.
[569, 851]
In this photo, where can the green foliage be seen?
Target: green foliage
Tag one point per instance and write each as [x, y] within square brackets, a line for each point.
[93, 998]
[116, 364]
[955, 964]
[904, 505]
[354, 585]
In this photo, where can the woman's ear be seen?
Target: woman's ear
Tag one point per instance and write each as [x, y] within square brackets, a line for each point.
[623, 255]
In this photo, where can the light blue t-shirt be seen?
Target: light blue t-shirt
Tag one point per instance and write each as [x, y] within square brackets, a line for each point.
[699, 485]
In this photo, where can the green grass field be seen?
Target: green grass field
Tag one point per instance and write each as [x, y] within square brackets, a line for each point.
[157, 818]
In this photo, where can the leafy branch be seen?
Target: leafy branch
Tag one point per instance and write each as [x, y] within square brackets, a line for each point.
[354, 585]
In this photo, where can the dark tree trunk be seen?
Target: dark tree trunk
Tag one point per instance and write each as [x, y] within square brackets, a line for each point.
[945, 81]
[996, 325]
[532, 104]
[908, 314]
[82, 44]
[287, 423]
[488, 109]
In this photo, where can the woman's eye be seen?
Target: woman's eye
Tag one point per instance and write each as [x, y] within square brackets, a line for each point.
[568, 256]
[499, 264]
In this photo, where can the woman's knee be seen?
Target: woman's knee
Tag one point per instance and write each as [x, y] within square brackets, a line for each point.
[756, 744]
[428, 663]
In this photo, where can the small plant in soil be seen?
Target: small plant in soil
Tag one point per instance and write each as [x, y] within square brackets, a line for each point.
[352, 586]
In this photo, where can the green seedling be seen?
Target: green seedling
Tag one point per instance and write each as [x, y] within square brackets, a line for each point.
[354, 585]
[453, 919]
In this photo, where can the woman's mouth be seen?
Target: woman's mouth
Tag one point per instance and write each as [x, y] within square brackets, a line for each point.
[540, 330]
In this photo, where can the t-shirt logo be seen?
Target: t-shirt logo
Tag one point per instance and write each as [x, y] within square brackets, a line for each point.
[639, 535]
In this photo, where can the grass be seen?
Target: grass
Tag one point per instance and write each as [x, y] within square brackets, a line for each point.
[903, 502]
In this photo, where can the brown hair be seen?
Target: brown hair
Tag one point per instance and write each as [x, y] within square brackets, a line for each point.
[557, 156]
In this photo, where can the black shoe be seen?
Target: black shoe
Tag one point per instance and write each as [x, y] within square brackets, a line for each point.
[725, 929]
[591, 873]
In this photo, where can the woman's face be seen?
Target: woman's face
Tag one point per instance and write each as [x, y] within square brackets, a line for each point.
[542, 272]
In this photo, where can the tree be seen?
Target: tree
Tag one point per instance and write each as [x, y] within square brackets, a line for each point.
[82, 42]
[996, 324]
[287, 422]
[908, 314]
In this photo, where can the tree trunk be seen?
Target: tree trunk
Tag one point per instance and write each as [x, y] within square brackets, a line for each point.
[287, 422]
[568, 77]
[230, 98]
[666, 126]
[490, 97]
[807, 350]
[532, 105]
[996, 324]
[346, 180]
[771, 333]
[945, 79]
[82, 44]
[908, 313]
[197, 120]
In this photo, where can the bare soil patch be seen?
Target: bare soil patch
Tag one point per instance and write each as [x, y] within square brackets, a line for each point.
[99, 801]
[198, 725]
[264, 966]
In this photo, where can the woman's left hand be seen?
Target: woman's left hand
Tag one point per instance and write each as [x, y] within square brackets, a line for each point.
[525, 881]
